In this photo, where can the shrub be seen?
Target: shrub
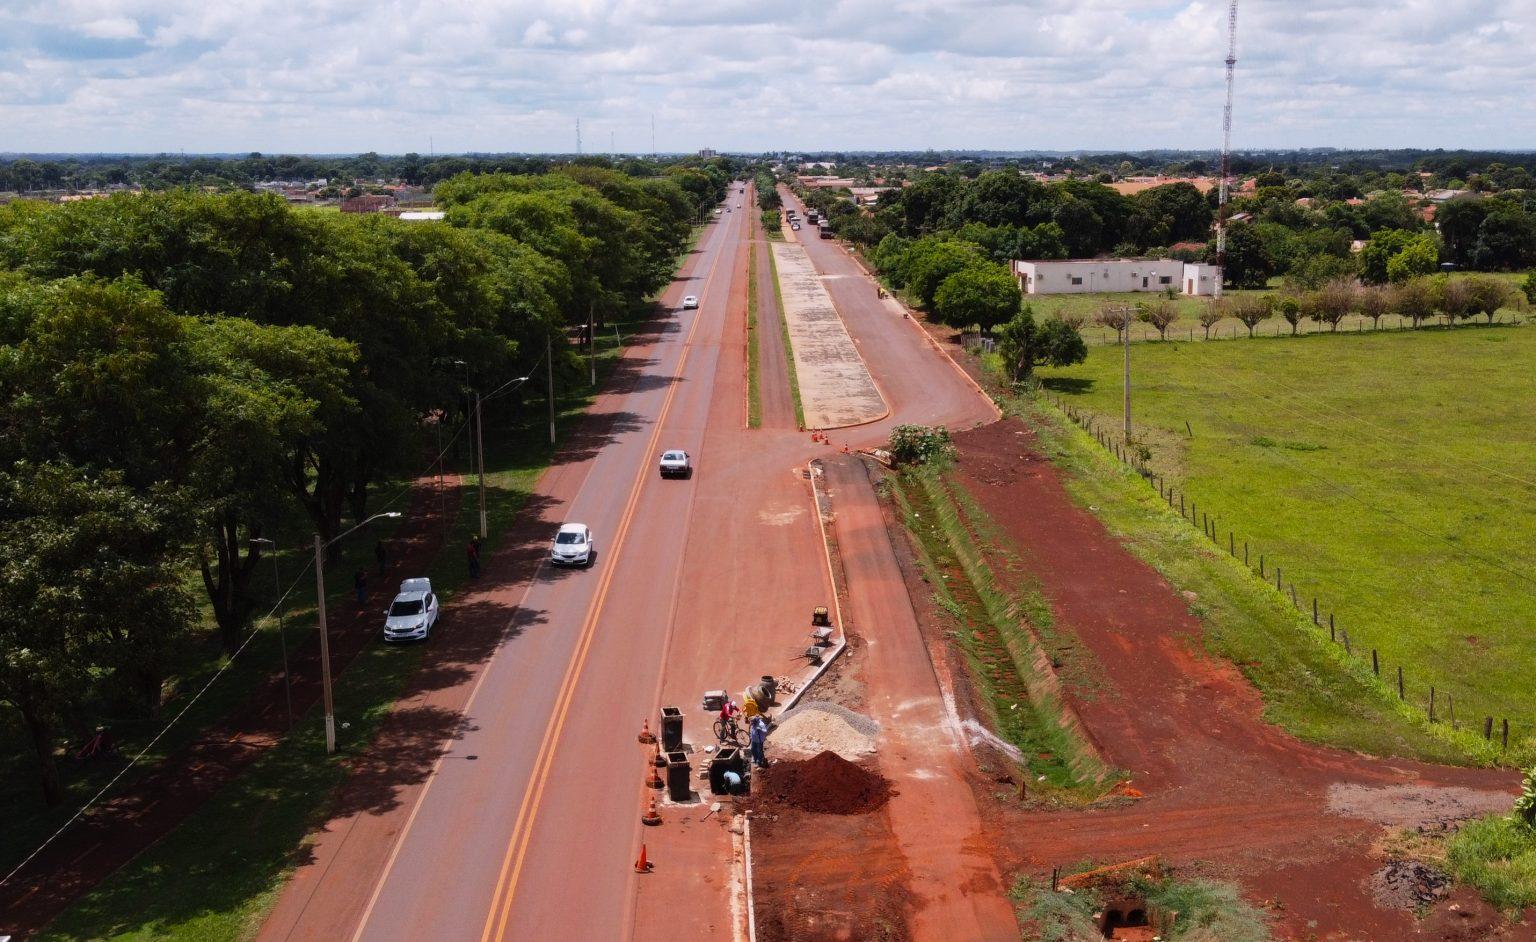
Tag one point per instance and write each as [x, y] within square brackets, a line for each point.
[920, 444]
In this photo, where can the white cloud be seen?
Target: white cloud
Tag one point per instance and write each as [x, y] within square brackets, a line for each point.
[346, 75]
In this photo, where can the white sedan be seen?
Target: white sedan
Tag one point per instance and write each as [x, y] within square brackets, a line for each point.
[690, 301]
[573, 546]
[413, 613]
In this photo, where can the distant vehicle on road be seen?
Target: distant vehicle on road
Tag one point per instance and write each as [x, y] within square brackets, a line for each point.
[812, 217]
[826, 232]
[795, 226]
[573, 546]
[690, 301]
[413, 613]
[676, 464]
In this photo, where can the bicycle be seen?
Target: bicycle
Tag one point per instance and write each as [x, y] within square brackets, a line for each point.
[728, 732]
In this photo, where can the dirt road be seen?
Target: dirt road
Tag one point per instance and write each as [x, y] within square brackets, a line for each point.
[1222, 786]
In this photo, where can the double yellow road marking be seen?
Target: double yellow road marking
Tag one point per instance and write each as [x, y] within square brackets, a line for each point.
[527, 812]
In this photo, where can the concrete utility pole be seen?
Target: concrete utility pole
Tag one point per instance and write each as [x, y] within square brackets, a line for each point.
[592, 340]
[1127, 375]
[325, 635]
[550, 365]
[480, 457]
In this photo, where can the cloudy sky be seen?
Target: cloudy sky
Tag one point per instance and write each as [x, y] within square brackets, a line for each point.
[514, 75]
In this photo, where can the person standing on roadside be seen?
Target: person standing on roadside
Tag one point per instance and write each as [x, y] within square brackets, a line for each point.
[758, 739]
[472, 556]
[360, 586]
[381, 554]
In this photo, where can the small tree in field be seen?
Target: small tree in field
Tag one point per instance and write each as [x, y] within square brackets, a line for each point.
[1414, 300]
[1486, 294]
[1456, 301]
[1372, 301]
[1332, 302]
[1116, 316]
[1073, 319]
[1251, 309]
[1291, 311]
[1024, 344]
[1212, 314]
[1159, 314]
[1529, 287]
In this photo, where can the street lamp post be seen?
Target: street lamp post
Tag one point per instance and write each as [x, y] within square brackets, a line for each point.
[480, 453]
[549, 362]
[325, 637]
[282, 640]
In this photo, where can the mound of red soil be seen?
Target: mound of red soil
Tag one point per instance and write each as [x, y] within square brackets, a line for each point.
[824, 784]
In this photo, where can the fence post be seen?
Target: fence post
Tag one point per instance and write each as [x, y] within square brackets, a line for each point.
[1487, 728]
[1277, 578]
[1399, 683]
[1506, 734]
[1245, 552]
[1231, 543]
[1375, 663]
[1314, 611]
[1294, 600]
[1261, 566]
[1431, 703]
[1330, 623]
[1450, 707]
[1181, 505]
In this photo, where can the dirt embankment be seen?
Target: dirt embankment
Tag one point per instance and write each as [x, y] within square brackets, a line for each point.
[1226, 794]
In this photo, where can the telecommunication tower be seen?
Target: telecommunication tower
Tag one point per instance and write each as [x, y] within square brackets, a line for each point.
[1226, 150]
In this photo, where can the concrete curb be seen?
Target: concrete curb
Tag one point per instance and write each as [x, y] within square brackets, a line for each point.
[837, 606]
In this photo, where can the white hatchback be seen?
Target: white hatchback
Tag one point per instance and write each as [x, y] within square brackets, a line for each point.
[690, 301]
[573, 546]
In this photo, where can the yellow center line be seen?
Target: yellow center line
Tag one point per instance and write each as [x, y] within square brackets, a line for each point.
[527, 812]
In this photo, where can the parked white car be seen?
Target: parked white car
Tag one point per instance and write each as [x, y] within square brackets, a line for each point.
[573, 546]
[690, 301]
[413, 613]
[676, 464]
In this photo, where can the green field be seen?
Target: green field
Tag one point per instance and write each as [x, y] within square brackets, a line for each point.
[1392, 475]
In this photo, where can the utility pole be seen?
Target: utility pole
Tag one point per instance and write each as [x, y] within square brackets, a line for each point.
[1226, 152]
[592, 340]
[325, 636]
[653, 135]
[325, 647]
[480, 452]
[549, 362]
[1127, 319]
[578, 137]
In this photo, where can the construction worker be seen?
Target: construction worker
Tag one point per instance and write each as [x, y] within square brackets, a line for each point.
[758, 739]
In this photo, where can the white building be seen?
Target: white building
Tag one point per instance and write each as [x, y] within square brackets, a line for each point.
[1081, 276]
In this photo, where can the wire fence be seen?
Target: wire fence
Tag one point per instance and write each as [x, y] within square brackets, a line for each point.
[1438, 705]
[1187, 332]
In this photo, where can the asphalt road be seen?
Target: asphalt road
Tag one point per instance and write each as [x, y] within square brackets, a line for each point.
[526, 827]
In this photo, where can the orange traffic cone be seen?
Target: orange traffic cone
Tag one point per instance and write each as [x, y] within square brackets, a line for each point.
[641, 864]
[646, 736]
[654, 781]
[657, 760]
[651, 817]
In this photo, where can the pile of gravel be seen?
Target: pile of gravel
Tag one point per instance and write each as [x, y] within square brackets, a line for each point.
[816, 726]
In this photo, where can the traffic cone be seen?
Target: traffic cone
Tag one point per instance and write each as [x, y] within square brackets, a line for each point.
[641, 864]
[651, 817]
[658, 761]
[646, 736]
[655, 778]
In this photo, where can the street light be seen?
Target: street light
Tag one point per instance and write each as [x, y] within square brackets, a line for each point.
[282, 639]
[325, 639]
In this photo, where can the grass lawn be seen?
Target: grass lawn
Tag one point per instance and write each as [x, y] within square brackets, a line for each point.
[215, 877]
[754, 372]
[1389, 474]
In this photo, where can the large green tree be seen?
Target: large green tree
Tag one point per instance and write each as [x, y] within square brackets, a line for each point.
[982, 296]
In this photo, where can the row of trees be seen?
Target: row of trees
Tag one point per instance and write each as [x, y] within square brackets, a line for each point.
[97, 171]
[179, 371]
[1417, 301]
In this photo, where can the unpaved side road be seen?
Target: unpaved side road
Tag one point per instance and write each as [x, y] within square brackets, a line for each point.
[836, 389]
[957, 893]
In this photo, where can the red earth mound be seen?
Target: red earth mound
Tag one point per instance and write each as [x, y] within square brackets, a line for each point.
[824, 784]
